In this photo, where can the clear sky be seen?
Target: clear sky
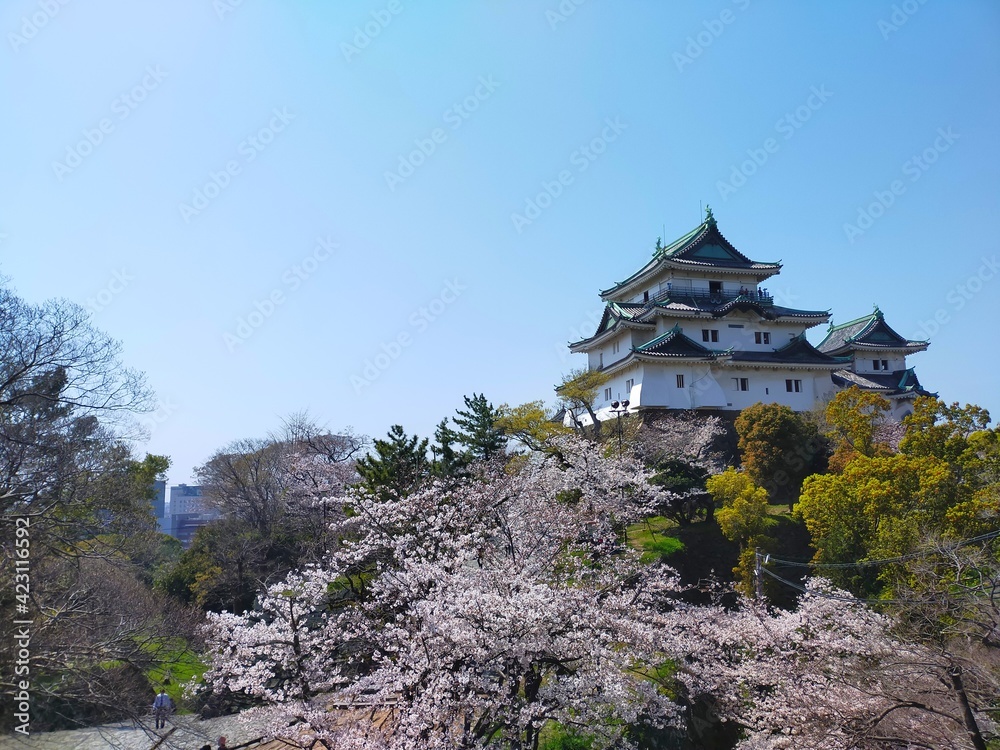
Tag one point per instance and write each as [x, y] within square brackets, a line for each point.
[258, 199]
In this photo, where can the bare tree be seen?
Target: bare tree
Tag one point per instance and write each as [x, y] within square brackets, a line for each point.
[264, 480]
[71, 489]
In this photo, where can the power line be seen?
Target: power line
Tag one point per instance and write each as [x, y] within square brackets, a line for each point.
[884, 561]
[835, 597]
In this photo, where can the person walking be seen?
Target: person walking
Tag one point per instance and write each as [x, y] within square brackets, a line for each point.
[162, 706]
[222, 744]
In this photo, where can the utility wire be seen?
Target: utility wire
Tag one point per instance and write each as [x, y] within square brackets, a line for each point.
[884, 561]
[835, 597]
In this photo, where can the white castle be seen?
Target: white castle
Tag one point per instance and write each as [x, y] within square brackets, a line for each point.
[694, 329]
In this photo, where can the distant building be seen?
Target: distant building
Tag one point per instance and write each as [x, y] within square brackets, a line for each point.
[695, 329]
[189, 512]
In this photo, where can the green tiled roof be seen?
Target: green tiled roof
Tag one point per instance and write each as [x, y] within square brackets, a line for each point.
[796, 351]
[674, 343]
[896, 383]
[704, 246]
[869, 332]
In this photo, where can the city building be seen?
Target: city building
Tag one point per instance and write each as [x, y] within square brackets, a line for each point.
[188, 512]
[696, 329]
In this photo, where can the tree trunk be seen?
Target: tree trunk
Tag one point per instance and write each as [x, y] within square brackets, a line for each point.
[955, 673]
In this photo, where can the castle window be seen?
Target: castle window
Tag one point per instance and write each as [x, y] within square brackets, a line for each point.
[793, 386]
[762, 337]
[607, 394]
[741, 384]
[715, 287]
[709, 334]
[680, 380]
[628, 386]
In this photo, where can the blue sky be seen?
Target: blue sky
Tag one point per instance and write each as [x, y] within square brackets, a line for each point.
[271, 203]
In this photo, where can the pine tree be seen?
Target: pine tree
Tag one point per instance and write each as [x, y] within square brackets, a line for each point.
[448, 463]
[478, 430]
[398, 464]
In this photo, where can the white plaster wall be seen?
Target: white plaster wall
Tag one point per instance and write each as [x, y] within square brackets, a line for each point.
[768, 386]
[863, 362]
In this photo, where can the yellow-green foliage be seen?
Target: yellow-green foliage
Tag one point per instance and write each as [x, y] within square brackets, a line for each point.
[854, 416]
[777, 448]
[878, 507]
[744, 513]
[529, 423]
[743, 518]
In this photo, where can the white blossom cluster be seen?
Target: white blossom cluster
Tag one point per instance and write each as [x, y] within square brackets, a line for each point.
[474, 613]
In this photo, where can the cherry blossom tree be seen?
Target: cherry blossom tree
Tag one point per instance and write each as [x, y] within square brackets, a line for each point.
[693, 438]
[470, 615]
[683, 449]
[473, 614]
[830, 675]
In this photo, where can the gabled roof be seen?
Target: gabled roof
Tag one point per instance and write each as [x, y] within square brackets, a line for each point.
[703, 248]
[615, 314]
[674, 343]
[870, 333]
[798, 351]
[898, 383]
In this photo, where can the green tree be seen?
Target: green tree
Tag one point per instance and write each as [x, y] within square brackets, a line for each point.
[878, 507]
[228, 562]
[854, 416]
[743, 518]
[477, 428]
[578, 392]
[937, 429]
[448, 462]
[779, 449]
[960, 437]
[399, 463]
[531, 424]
